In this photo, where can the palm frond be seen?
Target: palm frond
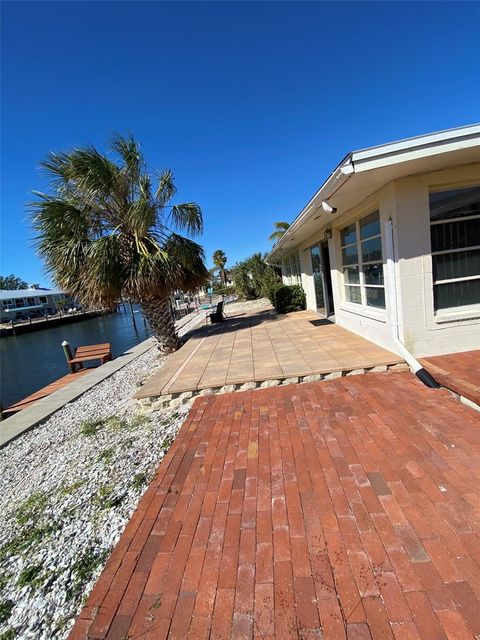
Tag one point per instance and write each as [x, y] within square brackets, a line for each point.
[219, 258]
[166, 188]
[128, 149]
[93, 173]
[280, 228]
[190, 257]
[102, 272]
[187, 217]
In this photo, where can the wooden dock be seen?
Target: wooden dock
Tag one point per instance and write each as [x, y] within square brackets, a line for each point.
[43, 393]
[101, 352]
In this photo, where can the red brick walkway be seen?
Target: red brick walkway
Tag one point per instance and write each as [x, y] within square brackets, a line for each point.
[459, 372]
[342, 509]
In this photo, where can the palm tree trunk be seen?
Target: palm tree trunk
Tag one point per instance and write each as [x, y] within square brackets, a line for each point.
[160, 318]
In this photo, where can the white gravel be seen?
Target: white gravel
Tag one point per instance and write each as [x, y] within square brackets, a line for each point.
[67, 489]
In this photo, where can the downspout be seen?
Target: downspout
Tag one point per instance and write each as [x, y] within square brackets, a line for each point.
[421, 373]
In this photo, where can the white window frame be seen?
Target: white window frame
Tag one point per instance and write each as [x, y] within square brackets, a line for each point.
[446, 311]
[291, 268]
[360, 264]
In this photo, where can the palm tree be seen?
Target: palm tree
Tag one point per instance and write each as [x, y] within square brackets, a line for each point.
[220, 260]
[280, 228]
[106, 233]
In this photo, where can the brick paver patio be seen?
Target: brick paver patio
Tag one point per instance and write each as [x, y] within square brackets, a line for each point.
[340, 509]
[460, 372]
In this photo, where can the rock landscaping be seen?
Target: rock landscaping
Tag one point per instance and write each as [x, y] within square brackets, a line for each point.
[66, 492]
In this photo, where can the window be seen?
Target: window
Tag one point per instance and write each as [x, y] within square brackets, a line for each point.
[291, 268]
[455, 238]
[296, 270]
[287, 269]
[362, 262]
[43, 299]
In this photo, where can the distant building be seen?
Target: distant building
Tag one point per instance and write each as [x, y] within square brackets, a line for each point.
[21, 304]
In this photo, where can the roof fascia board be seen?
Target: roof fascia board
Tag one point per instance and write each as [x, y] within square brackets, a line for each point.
[382, 155]
[449, 135]
[427, 145]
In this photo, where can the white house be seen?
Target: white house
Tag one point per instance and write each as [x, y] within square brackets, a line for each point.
[389, 246]
[30, 303]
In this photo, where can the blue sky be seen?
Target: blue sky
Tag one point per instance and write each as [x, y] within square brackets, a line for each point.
[251, 104]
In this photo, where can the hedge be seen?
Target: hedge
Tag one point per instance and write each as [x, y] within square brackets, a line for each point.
[290, 298]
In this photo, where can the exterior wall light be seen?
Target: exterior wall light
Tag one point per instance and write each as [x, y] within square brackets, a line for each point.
[328, 234]
[328, 208]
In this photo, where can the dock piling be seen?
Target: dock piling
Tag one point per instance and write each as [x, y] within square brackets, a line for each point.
[67, 351]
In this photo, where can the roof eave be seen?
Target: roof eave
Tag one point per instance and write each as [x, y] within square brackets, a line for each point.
[377, 157]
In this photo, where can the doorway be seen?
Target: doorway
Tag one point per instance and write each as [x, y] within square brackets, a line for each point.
[327, 274]
[322, 279]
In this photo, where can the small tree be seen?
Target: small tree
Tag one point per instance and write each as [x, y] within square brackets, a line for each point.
[280, 228]
[11, 282]
[220, 260]
[254, 278]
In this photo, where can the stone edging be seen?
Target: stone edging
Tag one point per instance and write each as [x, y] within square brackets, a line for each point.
[24, 420]
[176, 399]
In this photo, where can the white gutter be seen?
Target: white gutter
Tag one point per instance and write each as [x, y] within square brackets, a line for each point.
[414, 365]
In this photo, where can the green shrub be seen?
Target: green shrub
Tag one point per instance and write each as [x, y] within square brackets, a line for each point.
[254, 278]
[219, 289]
[270, 284]
[290, 298]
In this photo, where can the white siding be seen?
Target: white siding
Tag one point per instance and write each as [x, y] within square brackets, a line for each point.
[406, 203]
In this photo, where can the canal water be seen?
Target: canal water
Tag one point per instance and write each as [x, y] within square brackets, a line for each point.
[32, 360]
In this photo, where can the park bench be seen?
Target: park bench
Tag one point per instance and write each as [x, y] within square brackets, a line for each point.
[102, 352]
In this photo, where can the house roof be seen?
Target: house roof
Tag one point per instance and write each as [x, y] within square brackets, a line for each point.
[14, 294]
[362, 172]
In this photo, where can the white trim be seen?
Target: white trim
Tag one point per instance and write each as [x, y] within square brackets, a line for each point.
[374, 313]
[452, 314]
[444, 251]
[464, 279]
[456, 133]
[362, 284]
[401, 151]
[449, 220]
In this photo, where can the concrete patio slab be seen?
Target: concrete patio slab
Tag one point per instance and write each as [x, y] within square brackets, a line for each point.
[262, 347]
